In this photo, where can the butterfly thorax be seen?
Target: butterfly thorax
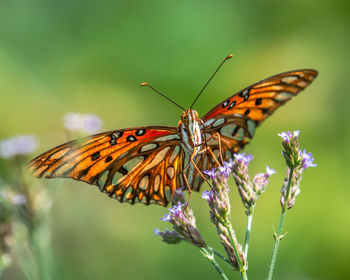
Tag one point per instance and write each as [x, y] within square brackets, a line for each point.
[189, 130]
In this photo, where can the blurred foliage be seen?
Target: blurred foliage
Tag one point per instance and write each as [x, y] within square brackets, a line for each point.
[87, 56]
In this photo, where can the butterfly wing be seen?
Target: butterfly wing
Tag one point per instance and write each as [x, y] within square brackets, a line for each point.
[236, 118]
[131, 165]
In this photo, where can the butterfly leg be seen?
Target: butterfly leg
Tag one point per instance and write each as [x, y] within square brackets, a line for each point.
[218, 137]
[220, 148]
[189, 190]
[199, 172]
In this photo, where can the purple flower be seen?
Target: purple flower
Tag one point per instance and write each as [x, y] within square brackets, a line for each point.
[18, 145]
[270, 171]
[173, 212]
[170, 237]
[296, 134]
[208, 195]
[166, 218]
[82, 122]
[242, 157]
[177, 209]
[211, 173]
[307, 160]
[225, 170]
[288, 136]
[285, 136]
[262, 179]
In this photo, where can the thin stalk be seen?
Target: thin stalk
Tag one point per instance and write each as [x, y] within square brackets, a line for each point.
[219, 255]
[278, 236]
[247, 234]
[235, 250]
[210, 256]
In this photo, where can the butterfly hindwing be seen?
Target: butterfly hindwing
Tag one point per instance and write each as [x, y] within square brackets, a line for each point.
[132, 165]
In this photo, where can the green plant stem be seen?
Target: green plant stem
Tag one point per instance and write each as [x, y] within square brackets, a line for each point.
[5, 262]
[219, 255]
[247, 234]
[210, 256]
[235, 250]
[278, 235]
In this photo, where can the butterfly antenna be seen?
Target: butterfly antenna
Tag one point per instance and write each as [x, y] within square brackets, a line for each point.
[145, 84]
[212, 76]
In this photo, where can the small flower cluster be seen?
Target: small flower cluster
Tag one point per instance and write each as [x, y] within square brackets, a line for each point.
[184, 223]
[169, 236]
[17, 146]
[11, 203]
[297, 162]
[6, 217]
[220, 211]
[249, 190]
[85, 123]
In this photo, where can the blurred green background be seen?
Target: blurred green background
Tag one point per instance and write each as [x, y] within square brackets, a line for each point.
[87, 56]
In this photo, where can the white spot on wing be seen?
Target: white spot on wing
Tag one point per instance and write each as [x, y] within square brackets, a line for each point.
[171, 172]
[116, 178]
[157, 159]
[168, 137]
[167, 193]
[132, 164]
[59, 154]
[102, 180]
[289, 79]
[283, 96]
[239, 136]
[143, 183]
[174, 154]
[148, 147]
[227, 130]
[209, 122]
[251, 127]
[156, 183]
[127, 194]
[218, 122]
[302, 84]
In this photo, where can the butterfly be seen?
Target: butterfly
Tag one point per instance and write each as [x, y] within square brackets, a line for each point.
[147, 164]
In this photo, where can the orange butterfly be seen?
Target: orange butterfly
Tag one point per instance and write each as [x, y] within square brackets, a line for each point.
[147, 164]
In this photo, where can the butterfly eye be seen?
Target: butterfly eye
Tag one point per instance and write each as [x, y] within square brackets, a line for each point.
[184, 118]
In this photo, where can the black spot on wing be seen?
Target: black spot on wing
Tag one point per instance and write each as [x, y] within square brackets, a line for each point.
[95, 156]
[108, 159]
[123, 170]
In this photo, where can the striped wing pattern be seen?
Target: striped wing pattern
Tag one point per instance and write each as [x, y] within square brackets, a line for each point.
[131, 165]
[145, 164]
[237, 117]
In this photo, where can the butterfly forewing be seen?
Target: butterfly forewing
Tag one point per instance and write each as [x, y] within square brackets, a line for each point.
[236, 118]
[132, 165]
[260, 100]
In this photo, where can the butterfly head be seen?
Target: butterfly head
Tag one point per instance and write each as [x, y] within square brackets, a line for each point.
[189, 129]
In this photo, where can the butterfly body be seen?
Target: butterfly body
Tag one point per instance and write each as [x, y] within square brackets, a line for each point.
[147, 164]
[190, 132]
